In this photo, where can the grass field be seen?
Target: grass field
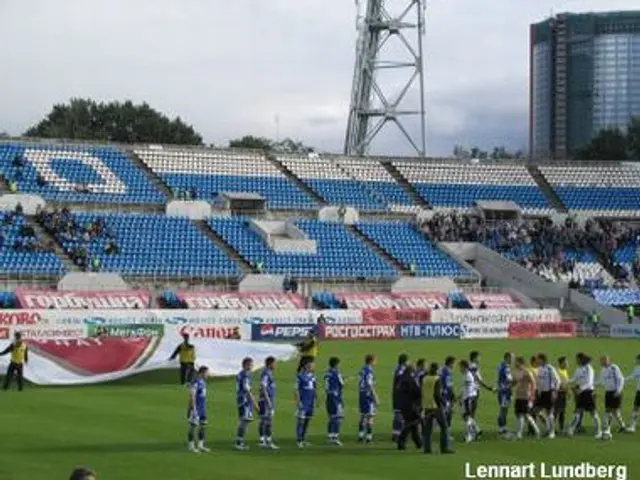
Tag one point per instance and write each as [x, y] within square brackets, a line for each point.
[136, 429]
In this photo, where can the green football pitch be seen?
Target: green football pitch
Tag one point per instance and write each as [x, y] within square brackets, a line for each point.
[135, 429]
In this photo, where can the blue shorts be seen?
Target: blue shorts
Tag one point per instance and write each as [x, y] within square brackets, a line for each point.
[305, 411]
[264, 410]
[335, 408]
[504, 398]
[367, 406]
[197, 416]
[245, 412]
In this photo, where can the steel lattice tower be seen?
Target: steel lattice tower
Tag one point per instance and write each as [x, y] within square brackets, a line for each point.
[374, 105]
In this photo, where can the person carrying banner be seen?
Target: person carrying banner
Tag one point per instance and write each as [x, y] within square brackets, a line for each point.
[308, 349]
[186, 353]
[19, 358]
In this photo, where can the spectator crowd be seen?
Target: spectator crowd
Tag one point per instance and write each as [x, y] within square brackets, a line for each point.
[553, 251]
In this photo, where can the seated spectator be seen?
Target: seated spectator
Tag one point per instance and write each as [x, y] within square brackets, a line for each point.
[111, 248]
[41, 181]
[96, 264]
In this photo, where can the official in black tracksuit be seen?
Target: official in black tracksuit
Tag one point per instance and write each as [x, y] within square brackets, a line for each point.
[410, 406]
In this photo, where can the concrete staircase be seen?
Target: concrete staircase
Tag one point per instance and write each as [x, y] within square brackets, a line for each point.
[404, 270]
[411, 191]
[231, 252]
[299, 183]
[46, 237]
[153, 178]
[553, 198]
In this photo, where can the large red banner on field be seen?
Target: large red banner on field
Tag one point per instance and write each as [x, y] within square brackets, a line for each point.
[373, 301]
[109, 300]
[359, 332]
[391, 316]
[543, 330]
[242, 301]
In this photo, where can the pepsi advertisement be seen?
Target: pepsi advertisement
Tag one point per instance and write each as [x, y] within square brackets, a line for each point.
[280, 333]
[444, 331]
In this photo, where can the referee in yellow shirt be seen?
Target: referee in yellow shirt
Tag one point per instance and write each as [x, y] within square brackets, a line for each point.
[308, 349]
[433, 405]
[19, 358]
[561, 399]
[186, 353]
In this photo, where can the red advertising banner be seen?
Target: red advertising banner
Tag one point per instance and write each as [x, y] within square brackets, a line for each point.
[492, 300]
[543, 330]
[242, 301]
[112, 300]
[359, 332]
[9, 318]
[524, 330]
[558, 330]
[392, 316]
[374, 301]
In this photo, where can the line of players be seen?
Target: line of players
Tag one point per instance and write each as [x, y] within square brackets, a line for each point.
[539, 389]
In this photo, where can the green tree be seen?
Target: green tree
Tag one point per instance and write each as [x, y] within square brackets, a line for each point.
[609, 144]
[251, 142]
[4, 135]
[260, 143]
[633, 139]
[497, 153]
[85, 119]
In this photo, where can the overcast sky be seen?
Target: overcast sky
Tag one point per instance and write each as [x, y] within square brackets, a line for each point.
[230, 67]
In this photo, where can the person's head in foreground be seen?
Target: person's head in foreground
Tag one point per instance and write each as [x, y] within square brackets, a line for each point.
[82, 473]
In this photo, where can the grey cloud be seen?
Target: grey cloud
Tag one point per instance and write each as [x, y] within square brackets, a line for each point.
[229, 67]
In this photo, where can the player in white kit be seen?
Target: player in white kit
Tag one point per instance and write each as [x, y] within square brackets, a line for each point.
[584, 380]
[613, 380]
[548, 382]
[636, 401]
[469, 399]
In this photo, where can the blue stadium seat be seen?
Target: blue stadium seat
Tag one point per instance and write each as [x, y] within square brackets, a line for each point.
[339, 253]
[211, 172]
[76, 174]
[154, 245]
[461, 184]
[617, 298]
[24, 262]
[406, 244]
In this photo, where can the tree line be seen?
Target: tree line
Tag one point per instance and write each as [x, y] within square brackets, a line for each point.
[126, 122]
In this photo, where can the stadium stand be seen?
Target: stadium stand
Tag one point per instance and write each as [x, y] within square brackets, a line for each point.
[611, 189]
[377, 180]
[145, 245]
[460, 185]
[339, 253]
[617, 298]
[22, 251]
[407, 245]
[328, 180]
[207, 173]
[76, 174]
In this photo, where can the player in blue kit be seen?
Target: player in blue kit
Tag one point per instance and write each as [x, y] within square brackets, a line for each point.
[446, 386]
[334, 385]
[306, 400]
[505, 385]
[398, 373]
[197, 411]
[244, 399]
[368, 400]
[267, 404]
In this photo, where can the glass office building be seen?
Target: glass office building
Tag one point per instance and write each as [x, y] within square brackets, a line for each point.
[584, 76]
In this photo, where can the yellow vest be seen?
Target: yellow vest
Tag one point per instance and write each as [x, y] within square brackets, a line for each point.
[19, 353]
[187, 353]
[564, 379]
[310, 348]
[429, 392]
